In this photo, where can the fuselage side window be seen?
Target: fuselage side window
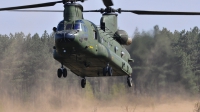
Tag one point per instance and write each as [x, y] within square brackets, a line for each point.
[95, 35]
[85, 28]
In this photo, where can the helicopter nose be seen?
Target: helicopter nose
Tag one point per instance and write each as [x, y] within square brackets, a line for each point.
[64, 37]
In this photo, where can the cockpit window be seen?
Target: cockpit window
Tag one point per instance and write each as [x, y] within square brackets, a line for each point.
[69, 26]
[60, 26]
[74, 26]
[77, 26]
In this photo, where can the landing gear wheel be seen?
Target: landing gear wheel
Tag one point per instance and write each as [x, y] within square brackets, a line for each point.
[83, 83]
[110, 71]
[104, 71]
[129, 81]
[64, 71]
[59, 73]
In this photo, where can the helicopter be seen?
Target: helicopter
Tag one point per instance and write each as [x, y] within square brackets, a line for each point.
[89, 50]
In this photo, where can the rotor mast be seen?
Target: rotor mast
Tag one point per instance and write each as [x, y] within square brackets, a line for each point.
[73, 11]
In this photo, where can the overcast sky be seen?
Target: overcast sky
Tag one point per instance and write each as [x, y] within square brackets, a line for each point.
[11, 22]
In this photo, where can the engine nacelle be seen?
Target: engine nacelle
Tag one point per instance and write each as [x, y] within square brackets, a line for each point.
[122, 37]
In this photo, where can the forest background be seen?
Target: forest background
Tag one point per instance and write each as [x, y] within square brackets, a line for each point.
[166, 64]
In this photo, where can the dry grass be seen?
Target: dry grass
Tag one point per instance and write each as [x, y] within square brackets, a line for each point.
[78, 104]
[197, 107]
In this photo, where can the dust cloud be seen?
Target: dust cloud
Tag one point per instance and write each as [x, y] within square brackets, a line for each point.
[48, 98]
[77, 104]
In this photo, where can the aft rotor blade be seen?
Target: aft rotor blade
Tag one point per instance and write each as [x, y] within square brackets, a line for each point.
[31, 6]
[108, 3]
[36, 10]
[142, 12]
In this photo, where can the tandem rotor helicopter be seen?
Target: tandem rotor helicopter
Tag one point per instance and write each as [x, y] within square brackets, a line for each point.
[89, 50]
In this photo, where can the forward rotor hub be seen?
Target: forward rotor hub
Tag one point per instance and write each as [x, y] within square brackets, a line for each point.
[72, 1]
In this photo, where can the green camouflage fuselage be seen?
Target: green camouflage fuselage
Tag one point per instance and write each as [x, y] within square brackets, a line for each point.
[86, 48]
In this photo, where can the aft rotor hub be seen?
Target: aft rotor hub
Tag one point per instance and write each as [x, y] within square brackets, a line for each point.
[110, 10]
[72, 1]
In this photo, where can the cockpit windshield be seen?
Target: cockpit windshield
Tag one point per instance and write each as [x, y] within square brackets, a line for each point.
[73, 26]
[69, 26]
[77, 26]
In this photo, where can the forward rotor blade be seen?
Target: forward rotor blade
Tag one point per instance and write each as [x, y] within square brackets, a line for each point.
[108, 3]
[36, 10]
[48, 10]
[92, 11]
[31, 6]
[142, 12]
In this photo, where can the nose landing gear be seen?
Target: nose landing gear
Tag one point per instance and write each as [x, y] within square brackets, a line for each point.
[59, 73]
[62, 72]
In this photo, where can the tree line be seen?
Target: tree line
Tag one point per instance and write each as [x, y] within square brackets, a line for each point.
[165, 61]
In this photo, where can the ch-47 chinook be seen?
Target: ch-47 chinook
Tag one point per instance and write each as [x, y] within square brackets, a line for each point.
[89, 50]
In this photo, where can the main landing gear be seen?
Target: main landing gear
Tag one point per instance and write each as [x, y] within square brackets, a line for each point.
[129, 81]
[83, 82]
[62, 72]
[108, 70]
